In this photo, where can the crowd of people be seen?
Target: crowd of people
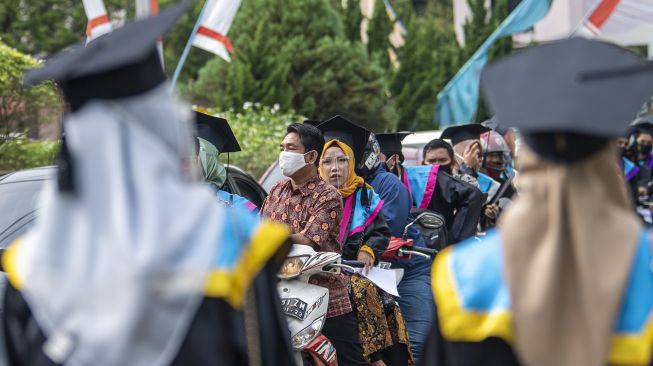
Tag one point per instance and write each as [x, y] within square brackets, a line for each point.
[541, 257]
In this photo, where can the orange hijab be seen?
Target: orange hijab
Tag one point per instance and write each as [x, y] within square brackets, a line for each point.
[353, 180]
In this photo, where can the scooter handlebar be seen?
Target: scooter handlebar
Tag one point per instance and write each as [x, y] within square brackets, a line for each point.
[351, 263]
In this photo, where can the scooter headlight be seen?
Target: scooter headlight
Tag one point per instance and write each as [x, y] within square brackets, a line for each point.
[307, 335]
[292, 267]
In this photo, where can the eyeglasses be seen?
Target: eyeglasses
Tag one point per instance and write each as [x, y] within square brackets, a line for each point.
[340, 160]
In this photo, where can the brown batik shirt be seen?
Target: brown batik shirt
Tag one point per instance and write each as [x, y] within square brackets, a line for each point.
[313, 210]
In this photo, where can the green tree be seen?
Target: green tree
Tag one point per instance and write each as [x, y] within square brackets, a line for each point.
[379, 28]
[20, 107]
[44, 27]
[259, 131]
[352, 18]
[427, 61]
[302, 63]
[477, 30]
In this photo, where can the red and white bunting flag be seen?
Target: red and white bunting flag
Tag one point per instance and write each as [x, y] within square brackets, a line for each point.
[216, 21]
[146, 8]
[98, 20]
[617, 16]
[149, 8]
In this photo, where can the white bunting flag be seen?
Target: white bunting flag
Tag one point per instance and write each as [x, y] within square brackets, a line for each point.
[215, 23]
[98, 20]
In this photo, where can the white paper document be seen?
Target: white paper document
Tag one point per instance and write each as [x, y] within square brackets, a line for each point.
[385, 279]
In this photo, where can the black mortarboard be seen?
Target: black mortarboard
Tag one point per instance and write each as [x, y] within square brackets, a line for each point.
[642, 124]
[493, 124]
[312, 122]
[217, 131]
[458, 134]
[339, 128]
[390, 143]
[120, 64]
[563, 96]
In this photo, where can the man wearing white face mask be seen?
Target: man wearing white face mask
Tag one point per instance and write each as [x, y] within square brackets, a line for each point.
[312, 209]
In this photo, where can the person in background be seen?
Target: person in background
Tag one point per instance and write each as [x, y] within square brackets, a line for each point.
[415, 301]
[510, 137]
[554, 285]
[392, 154]
[313, 210]
[495, 165]
[638, 151]
[214, 136]
[435, 188]
[467, 150]
[364, 236]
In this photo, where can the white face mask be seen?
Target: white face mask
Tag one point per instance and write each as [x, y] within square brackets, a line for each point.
[291, 162]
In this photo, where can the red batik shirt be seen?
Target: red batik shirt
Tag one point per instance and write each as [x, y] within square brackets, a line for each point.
[313, 210]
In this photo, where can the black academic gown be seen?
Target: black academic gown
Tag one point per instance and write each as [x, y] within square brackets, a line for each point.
[216, 335]
[460, 203]
[376, 235]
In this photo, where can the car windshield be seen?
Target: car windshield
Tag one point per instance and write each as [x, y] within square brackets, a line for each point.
[17, 203]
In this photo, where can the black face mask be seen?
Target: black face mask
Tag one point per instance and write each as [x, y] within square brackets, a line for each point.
[446, 168]
[644, 149]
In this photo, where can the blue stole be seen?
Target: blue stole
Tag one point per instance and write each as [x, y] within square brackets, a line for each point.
[630, 169]
[235, 200]
[474, 299]
[423, 180]
[488, 185]
[357, 215]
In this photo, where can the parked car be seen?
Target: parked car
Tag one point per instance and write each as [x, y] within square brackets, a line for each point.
[19, 193]
[412, 149]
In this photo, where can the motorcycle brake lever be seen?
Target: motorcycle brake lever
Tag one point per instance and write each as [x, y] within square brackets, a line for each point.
[403, 252]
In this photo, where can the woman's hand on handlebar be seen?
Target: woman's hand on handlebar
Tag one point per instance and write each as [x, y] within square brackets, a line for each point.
[366, 258]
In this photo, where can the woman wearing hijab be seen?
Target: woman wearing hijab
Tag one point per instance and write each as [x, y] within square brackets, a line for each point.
[131, 261]
[364, 236]
[566, 279]
[215, 173]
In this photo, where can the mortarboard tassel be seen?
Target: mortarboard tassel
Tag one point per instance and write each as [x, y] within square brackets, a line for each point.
[65, 173]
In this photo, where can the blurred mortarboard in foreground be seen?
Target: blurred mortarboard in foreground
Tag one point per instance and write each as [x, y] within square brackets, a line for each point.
[564, 97]
[339, 128]
[390, 143]
[217, 131]
[458, 134]
[120, 64]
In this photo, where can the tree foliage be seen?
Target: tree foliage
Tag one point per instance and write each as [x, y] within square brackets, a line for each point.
[302, 63]
[379, 30]
[430, 57]
[20, 107]
[22, 153]
[259, 131]
[43, 27]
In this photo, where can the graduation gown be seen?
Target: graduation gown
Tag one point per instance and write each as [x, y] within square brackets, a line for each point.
[217, 333]
[365, 224]
[460, 203]
[473, 323]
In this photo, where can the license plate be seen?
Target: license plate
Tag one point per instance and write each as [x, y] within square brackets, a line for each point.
[294, 307]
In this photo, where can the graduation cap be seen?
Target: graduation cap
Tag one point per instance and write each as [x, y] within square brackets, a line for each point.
[217, 131]
[564, 97]
[339, 128]
[120, 64]
[493, 124]
[390, 143]
[642, 124]
[312, 122]
[458, 134]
